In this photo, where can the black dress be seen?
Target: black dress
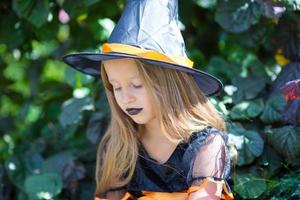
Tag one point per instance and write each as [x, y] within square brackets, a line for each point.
[204, 156]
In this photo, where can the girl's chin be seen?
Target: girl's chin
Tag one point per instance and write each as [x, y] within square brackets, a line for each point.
[139, 121]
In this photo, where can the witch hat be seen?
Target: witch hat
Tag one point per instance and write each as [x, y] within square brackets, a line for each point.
[148, 31]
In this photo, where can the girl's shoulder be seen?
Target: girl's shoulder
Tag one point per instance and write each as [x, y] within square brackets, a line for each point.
[205, 136]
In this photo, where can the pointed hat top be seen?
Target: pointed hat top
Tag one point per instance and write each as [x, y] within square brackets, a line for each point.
[152, 25]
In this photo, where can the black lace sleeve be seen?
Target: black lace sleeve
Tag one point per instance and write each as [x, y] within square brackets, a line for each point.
[208, 156]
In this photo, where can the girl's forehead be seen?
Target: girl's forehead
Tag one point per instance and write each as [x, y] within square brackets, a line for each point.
[121, 69]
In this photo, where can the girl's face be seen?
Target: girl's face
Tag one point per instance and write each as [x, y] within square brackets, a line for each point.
[129, 91]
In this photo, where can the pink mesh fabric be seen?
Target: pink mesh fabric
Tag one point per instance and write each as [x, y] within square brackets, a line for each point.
[210, 159]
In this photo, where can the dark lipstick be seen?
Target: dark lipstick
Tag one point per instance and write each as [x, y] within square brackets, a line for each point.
[133, 111]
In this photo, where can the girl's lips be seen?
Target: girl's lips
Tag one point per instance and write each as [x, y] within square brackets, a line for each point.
[134, 111]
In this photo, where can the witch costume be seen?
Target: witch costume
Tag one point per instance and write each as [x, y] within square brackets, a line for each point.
[148, 31]
[193, 165]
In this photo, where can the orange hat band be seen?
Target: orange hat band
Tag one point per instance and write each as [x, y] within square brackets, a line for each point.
[148, 54]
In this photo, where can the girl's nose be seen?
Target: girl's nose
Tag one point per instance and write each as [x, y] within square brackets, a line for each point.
[127, 96]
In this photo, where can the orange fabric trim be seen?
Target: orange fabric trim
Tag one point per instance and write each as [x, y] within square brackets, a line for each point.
[196, 188]
[127, 196]
[163, 195]
[149, 54]
[226, 195]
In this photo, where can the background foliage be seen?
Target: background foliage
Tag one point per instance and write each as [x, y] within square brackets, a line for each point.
[52, 117]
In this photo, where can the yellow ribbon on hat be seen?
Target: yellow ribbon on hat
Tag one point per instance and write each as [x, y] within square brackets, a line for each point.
[148, 54]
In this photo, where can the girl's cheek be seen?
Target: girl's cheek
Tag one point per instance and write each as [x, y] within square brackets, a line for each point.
[117, 98]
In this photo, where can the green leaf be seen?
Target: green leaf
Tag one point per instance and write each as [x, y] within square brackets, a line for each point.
[249, 186]
[249, 144]
[23, 7]
[270, 162]
[214, 68]
[42, 49]
[15, 170]
[248, 88]
[72, 110]
[285, 141]
[206, 3]
[39, 14]
[247, 109]
[101, 102]
[287, 187]
[29, 112]
[43, 186]
[252, 66]
[10, 32]
[6, 122]
[76, 79]
[238, 15]
[95, 127]
[91, 2]
[255, 108]
[198, 57]
[33, 162]
[56, 162]
[35, 11]
[239, 111]
[63, 33]
[14, 70]
[33, 114]
[74, 7]
[273, 108]
[292, 4]
[219, 105]
[255, 36]
[105, 29]
[53, 70]
[296, 193]
[48, 31]
[8, 107]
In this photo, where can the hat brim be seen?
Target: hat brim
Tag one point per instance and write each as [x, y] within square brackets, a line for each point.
[89, 63]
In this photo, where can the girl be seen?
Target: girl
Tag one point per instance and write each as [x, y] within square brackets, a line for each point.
[165, 139]
[166, 143]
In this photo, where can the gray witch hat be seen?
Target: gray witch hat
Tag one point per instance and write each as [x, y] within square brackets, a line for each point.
[148, 31]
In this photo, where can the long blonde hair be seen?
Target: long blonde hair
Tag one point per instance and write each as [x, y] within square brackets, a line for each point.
[180, 106]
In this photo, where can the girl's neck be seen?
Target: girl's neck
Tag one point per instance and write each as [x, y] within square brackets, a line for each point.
[153, 131]
[157, 145]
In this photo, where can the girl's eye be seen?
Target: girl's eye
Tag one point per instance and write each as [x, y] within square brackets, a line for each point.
[117, 89]
[137, 86]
